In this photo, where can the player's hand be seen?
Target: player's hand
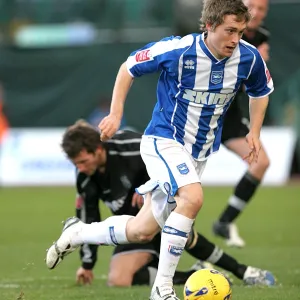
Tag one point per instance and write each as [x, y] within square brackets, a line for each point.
[137, 200]
[255, 146]
[84, 276]
[109, 126]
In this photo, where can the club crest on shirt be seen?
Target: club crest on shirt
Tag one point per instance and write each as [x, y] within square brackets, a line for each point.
[183, 169]
[216, 77]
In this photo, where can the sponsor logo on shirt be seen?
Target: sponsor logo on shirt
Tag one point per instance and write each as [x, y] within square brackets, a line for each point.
[207, 98]
[143, 55]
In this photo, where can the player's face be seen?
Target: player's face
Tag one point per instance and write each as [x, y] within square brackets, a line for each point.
[87, 163]
[223, 39]
[258, 10]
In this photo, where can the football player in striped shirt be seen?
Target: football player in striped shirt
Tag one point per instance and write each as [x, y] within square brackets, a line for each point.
[109, 172]
[199, 77]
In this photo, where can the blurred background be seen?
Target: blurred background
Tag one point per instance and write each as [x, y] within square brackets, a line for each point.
[58, 62]
[59, 59]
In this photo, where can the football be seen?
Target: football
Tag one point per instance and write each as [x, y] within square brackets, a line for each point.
[207, 284]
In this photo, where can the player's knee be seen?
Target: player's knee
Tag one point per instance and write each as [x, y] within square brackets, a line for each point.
[265, 163]
[144, 237]
[140, 232]
[119, 278]
[197, 202]
[189, 207]
[191, 202]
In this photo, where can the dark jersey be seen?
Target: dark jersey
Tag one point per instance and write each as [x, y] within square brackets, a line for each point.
[124, 171]
[255, 38]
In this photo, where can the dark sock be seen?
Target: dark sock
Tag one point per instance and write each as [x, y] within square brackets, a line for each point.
[141, 277]
[243, 192]
[144, 276]
[230, 264]
[181, 277]
[200, 248]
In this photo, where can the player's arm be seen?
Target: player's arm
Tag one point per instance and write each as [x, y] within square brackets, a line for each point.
[110, 124]
[163, 55]
[259, 86]
[87, 213]
[257, 110]
[87, 210]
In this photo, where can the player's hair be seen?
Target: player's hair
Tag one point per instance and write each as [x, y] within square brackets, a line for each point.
[214, 11]
[78, 137]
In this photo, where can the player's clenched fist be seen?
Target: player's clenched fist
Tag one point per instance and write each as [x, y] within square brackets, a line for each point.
[109, 126]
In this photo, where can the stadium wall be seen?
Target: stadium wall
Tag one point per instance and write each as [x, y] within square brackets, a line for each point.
[33, 157]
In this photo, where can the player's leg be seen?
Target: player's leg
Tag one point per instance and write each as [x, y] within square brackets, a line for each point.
[243, 191]
[173, 239]
[136, 264]
[204, 250]
[248, 184]
[201, 248]
[113, 231]
[234, 132]
[126, 262]
[172, 168]
[146, 275]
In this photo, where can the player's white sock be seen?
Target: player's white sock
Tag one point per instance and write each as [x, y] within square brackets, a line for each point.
[173, 239]
[111, 231]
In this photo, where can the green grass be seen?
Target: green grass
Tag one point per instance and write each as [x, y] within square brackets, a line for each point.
[30, 220]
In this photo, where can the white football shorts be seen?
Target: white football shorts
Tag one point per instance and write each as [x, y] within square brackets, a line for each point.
[169, 167]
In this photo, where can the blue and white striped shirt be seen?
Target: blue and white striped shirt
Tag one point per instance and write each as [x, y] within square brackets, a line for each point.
[195, 89]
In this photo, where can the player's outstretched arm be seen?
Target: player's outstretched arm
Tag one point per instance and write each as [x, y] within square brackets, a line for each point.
[257, 109]
[110, 124]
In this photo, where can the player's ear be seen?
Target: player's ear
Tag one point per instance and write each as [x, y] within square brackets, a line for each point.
[209, 27]
[100, 148]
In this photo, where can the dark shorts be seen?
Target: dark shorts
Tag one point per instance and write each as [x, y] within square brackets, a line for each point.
[153, 247]
[235, 125]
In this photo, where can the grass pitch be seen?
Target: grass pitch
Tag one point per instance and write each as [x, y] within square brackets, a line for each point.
[30, 219]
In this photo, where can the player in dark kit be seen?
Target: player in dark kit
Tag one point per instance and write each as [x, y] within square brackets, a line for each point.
[110, 171]
[235, 129]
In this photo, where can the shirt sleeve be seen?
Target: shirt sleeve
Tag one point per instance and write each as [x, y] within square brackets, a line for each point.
[87, 210]
[259, 82]
[158, 56]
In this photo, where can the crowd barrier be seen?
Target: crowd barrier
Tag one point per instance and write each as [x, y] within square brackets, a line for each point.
[33, 157]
